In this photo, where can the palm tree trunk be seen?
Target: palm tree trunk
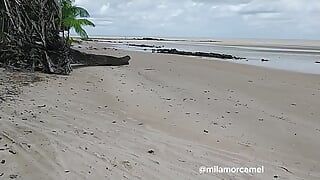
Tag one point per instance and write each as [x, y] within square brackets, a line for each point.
[2, 28]
[68, 34]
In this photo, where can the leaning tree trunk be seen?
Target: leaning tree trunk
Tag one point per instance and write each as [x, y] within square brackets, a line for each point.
[30, 36]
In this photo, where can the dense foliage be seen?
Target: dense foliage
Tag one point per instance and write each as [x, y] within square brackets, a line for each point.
[74, 17]
[30, 34]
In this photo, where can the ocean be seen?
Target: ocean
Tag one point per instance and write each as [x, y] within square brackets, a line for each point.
[290, 55]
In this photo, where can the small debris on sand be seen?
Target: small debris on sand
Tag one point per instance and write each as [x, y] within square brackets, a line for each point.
[12, 151]
[149, 69]
[13, 176]
[265, 60]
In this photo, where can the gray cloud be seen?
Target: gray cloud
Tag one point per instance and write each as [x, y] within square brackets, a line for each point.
[206, 18]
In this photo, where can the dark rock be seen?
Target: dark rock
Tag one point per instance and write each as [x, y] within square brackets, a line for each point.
[317, 62]
[199, 54]
[151, 151]
[152, 39]
[144, 46]
[149, 39]
[265, 60]
[206, 131]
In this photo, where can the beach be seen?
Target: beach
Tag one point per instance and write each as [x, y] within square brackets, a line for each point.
[163, 117]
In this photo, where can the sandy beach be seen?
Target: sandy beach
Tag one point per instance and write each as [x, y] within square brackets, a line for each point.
[162, 117]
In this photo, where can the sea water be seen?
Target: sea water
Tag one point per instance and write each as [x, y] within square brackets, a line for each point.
[292, 55]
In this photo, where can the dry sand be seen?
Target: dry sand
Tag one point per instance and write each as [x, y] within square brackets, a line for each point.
[162, 117]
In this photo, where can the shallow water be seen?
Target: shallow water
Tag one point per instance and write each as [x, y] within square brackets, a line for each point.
[292, 55]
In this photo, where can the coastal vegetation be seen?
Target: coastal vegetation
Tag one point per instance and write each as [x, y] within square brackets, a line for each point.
[74, 17]
[30, 34]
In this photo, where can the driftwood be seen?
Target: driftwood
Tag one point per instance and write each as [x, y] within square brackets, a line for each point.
[199, 54]
[86, 59]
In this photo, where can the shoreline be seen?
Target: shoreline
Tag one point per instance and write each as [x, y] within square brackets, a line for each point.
[251, 53]
[259, 43]
[238, 60]
[164, 116]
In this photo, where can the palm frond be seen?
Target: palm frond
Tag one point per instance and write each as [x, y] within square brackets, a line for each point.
[70, 18]
[81, 32]
[81, 12]
[85, 22]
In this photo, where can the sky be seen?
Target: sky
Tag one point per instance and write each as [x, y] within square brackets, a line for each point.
[264, 19]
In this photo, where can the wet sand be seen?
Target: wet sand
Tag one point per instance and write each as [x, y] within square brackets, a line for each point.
[162, 117]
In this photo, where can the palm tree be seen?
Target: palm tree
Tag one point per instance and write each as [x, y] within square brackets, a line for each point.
[74, 17]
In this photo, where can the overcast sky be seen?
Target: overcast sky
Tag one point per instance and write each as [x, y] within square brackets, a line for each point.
[293, 19]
